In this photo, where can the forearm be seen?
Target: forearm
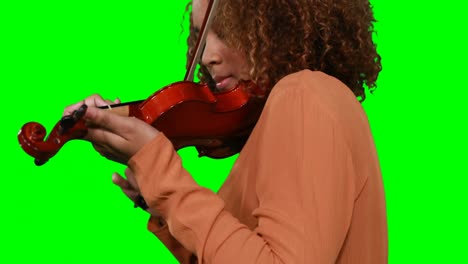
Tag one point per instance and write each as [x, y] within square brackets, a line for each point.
[198, 221]
[159, 228]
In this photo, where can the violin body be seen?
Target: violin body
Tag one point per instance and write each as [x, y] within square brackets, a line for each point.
[189, 114]
[217, 124]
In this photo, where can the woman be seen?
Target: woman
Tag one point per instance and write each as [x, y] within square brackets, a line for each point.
[306, 187]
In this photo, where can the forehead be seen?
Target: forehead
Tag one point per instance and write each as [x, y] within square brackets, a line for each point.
[198, 11]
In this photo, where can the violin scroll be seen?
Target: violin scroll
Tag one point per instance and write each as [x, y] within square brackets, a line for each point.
[31, 136]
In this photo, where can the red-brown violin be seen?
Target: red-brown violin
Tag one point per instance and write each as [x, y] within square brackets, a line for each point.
[189, 114]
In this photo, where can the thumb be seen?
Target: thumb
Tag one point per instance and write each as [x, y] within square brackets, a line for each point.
[118, 180]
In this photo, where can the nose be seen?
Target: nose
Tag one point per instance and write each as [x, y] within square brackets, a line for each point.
[211, 54]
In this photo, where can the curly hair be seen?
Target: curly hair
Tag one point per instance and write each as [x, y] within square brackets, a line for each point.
[280, 37]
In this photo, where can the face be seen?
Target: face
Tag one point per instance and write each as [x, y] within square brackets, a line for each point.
[226, 65]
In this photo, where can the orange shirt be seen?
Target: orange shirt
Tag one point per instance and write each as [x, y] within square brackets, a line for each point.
[306, 187]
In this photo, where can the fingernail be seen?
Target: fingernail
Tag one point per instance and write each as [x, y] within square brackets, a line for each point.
[114, 178]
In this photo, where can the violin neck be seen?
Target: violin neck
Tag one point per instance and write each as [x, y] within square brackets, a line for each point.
[123, 109]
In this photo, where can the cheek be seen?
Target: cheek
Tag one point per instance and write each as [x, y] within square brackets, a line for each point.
[243, 65]
[237, 58]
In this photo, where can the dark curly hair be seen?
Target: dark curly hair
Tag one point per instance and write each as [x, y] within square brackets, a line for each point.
[280, 37]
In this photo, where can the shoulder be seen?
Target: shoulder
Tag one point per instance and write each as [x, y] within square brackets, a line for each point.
[315, 89]
[315, 97]
[315, 85]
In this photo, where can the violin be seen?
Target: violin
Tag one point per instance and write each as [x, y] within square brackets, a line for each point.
[187, 113]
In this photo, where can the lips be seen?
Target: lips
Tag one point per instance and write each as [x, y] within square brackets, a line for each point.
[224, 82]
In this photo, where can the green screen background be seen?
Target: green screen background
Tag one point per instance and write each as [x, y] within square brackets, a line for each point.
[55, 53]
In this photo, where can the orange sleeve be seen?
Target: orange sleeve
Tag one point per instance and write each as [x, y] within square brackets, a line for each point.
[162, 233]
[304, 179]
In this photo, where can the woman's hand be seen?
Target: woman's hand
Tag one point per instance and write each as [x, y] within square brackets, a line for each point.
[94, 100]
[130, 188]
[115, 137]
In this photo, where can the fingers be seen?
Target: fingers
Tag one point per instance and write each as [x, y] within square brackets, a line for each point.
[108, 120]
[125, 186]
[120, 181]
[128, 183]
[131, 178]
[116, 137]
[105, 132]
[127, 128]
[111, 154]
[128, 190]
[120, 136]
[94, 100]
[69, 109]
[102, 138]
